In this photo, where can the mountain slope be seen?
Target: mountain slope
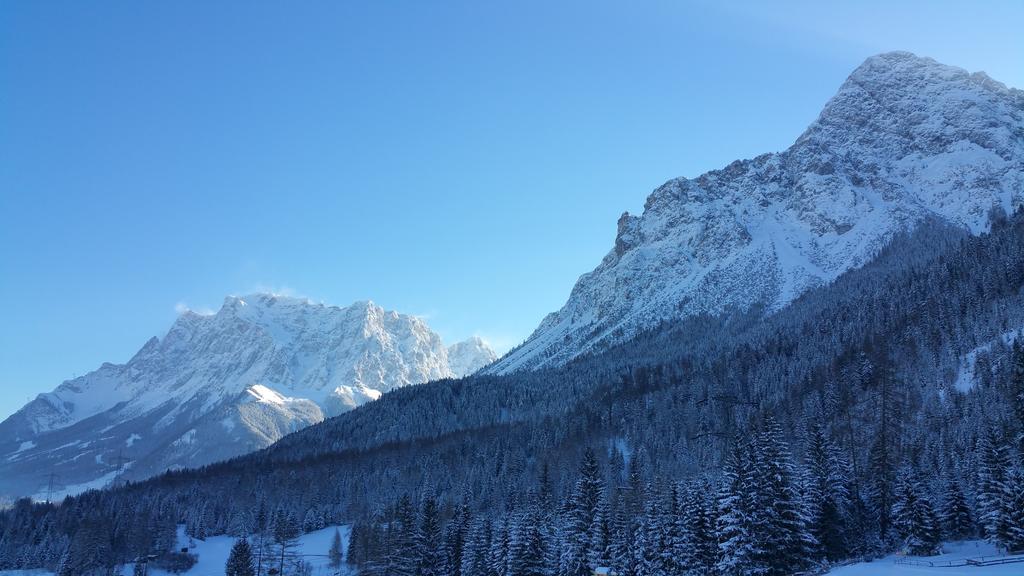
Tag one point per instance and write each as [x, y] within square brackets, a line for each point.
[221, 385]
[905, 138]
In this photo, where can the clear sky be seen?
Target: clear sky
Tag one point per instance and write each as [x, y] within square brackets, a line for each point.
[464, 161]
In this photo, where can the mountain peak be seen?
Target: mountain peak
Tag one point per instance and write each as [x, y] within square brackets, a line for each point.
[195, 387]
[904, 140]
[469, 356]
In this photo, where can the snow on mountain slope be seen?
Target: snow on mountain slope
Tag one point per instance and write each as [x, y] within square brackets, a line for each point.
[220, 385]
[904, 138]
[470, 355]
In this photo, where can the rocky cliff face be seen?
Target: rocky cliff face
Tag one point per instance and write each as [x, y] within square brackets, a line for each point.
[220, 385]
[905, 138]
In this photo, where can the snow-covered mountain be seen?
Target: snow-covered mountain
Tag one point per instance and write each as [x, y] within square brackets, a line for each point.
[905, 138]
[470, 355]
[221, 385]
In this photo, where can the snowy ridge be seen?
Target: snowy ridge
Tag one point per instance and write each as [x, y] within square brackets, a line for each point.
[904, 138]
[220, 385]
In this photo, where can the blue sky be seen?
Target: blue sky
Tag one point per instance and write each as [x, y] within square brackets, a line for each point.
[465, 161]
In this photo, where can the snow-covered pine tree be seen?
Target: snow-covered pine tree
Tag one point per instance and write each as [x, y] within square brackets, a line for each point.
[913, 517]
[645, 560]
[602, 534]
[956, 515]
[478, 545]
[994, 462]
[429, 552]
[403, 559]
[697, 547]
[826, 494]
[286, 535]
[781, 525]
[334, 553]
[455, 540]
[579, 522]
[498, 556]
[1014, 511]
[622, 535]
[738, 550]
[1017, 391]
[90, 551]
[882, 462]
[667, 529]
[575, 543]
[527, 547]
[240, 560]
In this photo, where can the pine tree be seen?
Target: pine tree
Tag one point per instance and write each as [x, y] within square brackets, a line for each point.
[577, 532]
[286, 535]
[240, 560]
[498, 558]
[697, 549]
[914, 518]
[334, 554]
[90, 551]
[402, 557]
[602, 534]
[428, 541]
[956, 516]
[992, 488]
[527, 546]
[478, 545]
[825, 494]
[781, 525]
[738, 549]
[455, 541]
[1017, 391]
[1014, 511]
[882, 458]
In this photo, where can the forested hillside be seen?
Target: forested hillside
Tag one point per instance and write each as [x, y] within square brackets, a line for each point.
[882, 411]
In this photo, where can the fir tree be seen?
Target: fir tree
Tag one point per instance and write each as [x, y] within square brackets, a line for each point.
[527, 547]
[334, 554]
[402, 558]
[825, 494]
[914, 518]
[992, 488]
[1014, 511]
[786, 545]
[478, 545]
[738, 549]
[498, 557]
[956, 516]
[602, 534]
[240, 560]
[455, 541]
[428, 541]
[286, 535]
[697, 549]
[1017, 391]
[90, 551]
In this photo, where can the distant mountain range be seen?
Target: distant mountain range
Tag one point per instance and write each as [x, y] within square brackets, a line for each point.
[904, 139]
[218, 386]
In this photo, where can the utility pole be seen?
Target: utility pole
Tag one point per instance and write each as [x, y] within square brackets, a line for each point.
[49, 486]
[119, 465]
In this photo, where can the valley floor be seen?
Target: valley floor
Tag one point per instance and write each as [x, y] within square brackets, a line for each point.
[213, 554]
[953, 553]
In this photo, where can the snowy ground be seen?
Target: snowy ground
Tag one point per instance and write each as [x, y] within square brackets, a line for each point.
[891, 566]
[213, 554]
